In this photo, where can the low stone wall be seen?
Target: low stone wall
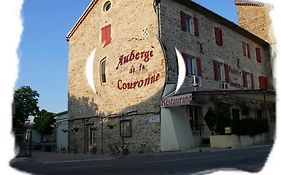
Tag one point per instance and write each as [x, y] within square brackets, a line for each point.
[235, 141]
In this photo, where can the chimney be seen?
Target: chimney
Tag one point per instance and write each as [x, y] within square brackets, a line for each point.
[254, 17]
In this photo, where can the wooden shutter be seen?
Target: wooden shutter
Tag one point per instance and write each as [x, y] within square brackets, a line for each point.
[263, 81]
[218, 36]
[226, 72]
[258, 54]
[244, 74]
[185, 57]
[106, 35]
[216, 70]
[199, 68]
[244, 48]
[252, 81]
[196, 26]
[248, 51]
[183, 20]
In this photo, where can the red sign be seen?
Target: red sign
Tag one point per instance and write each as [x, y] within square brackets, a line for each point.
[178, 100]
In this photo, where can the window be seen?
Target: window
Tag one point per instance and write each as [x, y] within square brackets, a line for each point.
[259, 114]
[219, 72]
[91, 135]
[218, 36]
[258, 54]
[102, 71]
[248, 80]
[192, 112]
[107, 6]
[193, 65]
[263, 81]
[189, 24]
[235, 114]
[125, 128]
[106, 35]
[246, 49]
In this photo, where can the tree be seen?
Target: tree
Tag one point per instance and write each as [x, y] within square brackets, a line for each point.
[25, 104]
[43, 123]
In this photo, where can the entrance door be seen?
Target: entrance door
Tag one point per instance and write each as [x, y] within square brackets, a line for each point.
[195, 122]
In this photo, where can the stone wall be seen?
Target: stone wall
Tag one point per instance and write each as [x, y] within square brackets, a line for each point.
[134, 35]
[230, 53]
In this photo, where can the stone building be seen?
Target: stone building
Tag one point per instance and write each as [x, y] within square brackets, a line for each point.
[124, 71]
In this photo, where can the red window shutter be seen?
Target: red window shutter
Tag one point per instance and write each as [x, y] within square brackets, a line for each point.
[244, 48]
[106, 35]
[244, 74]
[262, 83]
[196, 26]
[266, 83]
[252, 81]
[199, 68]
[218, 36]
[183, 21]
[185, 57]
[226, 72]
[216, 70]
[258, 54]
[248, 50]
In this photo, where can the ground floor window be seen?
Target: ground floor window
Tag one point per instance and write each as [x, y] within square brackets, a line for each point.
[235, 114]
[126, 128]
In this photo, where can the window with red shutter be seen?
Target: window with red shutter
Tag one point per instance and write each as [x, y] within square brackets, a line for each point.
[252, 81]
[196, 26]
[216, 70]
[199, 68]
[244, 74]
[183, 21]
[244, 48]
[218, 36]
[106, 35]
[258, 55]
[262, 83]
[248, 51]
[226, 70]
[185, 57]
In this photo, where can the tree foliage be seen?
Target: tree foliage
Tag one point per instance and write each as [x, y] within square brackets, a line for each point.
[25, 104]
[43, 122]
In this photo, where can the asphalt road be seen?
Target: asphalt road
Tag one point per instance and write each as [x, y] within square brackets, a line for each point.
[248, 159]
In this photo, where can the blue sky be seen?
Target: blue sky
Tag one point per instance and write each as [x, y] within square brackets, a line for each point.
[43, 50]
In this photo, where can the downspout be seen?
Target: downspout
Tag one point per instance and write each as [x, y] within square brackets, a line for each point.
[156, 5]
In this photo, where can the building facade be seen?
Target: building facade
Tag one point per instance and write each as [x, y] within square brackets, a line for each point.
[123, 72]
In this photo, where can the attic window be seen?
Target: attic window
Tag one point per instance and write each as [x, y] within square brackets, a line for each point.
[107, 6]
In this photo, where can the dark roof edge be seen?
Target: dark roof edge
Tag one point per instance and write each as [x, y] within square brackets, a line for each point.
[223, 21]
[61, 113]
[248, 3]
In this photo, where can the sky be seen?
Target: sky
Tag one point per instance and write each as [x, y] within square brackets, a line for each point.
[43, 50]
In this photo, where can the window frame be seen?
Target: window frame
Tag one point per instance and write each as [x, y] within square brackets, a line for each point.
[103, 71]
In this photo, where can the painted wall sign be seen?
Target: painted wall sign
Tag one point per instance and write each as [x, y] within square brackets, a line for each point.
[145, 55]
[178, 100]
[136, 69]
